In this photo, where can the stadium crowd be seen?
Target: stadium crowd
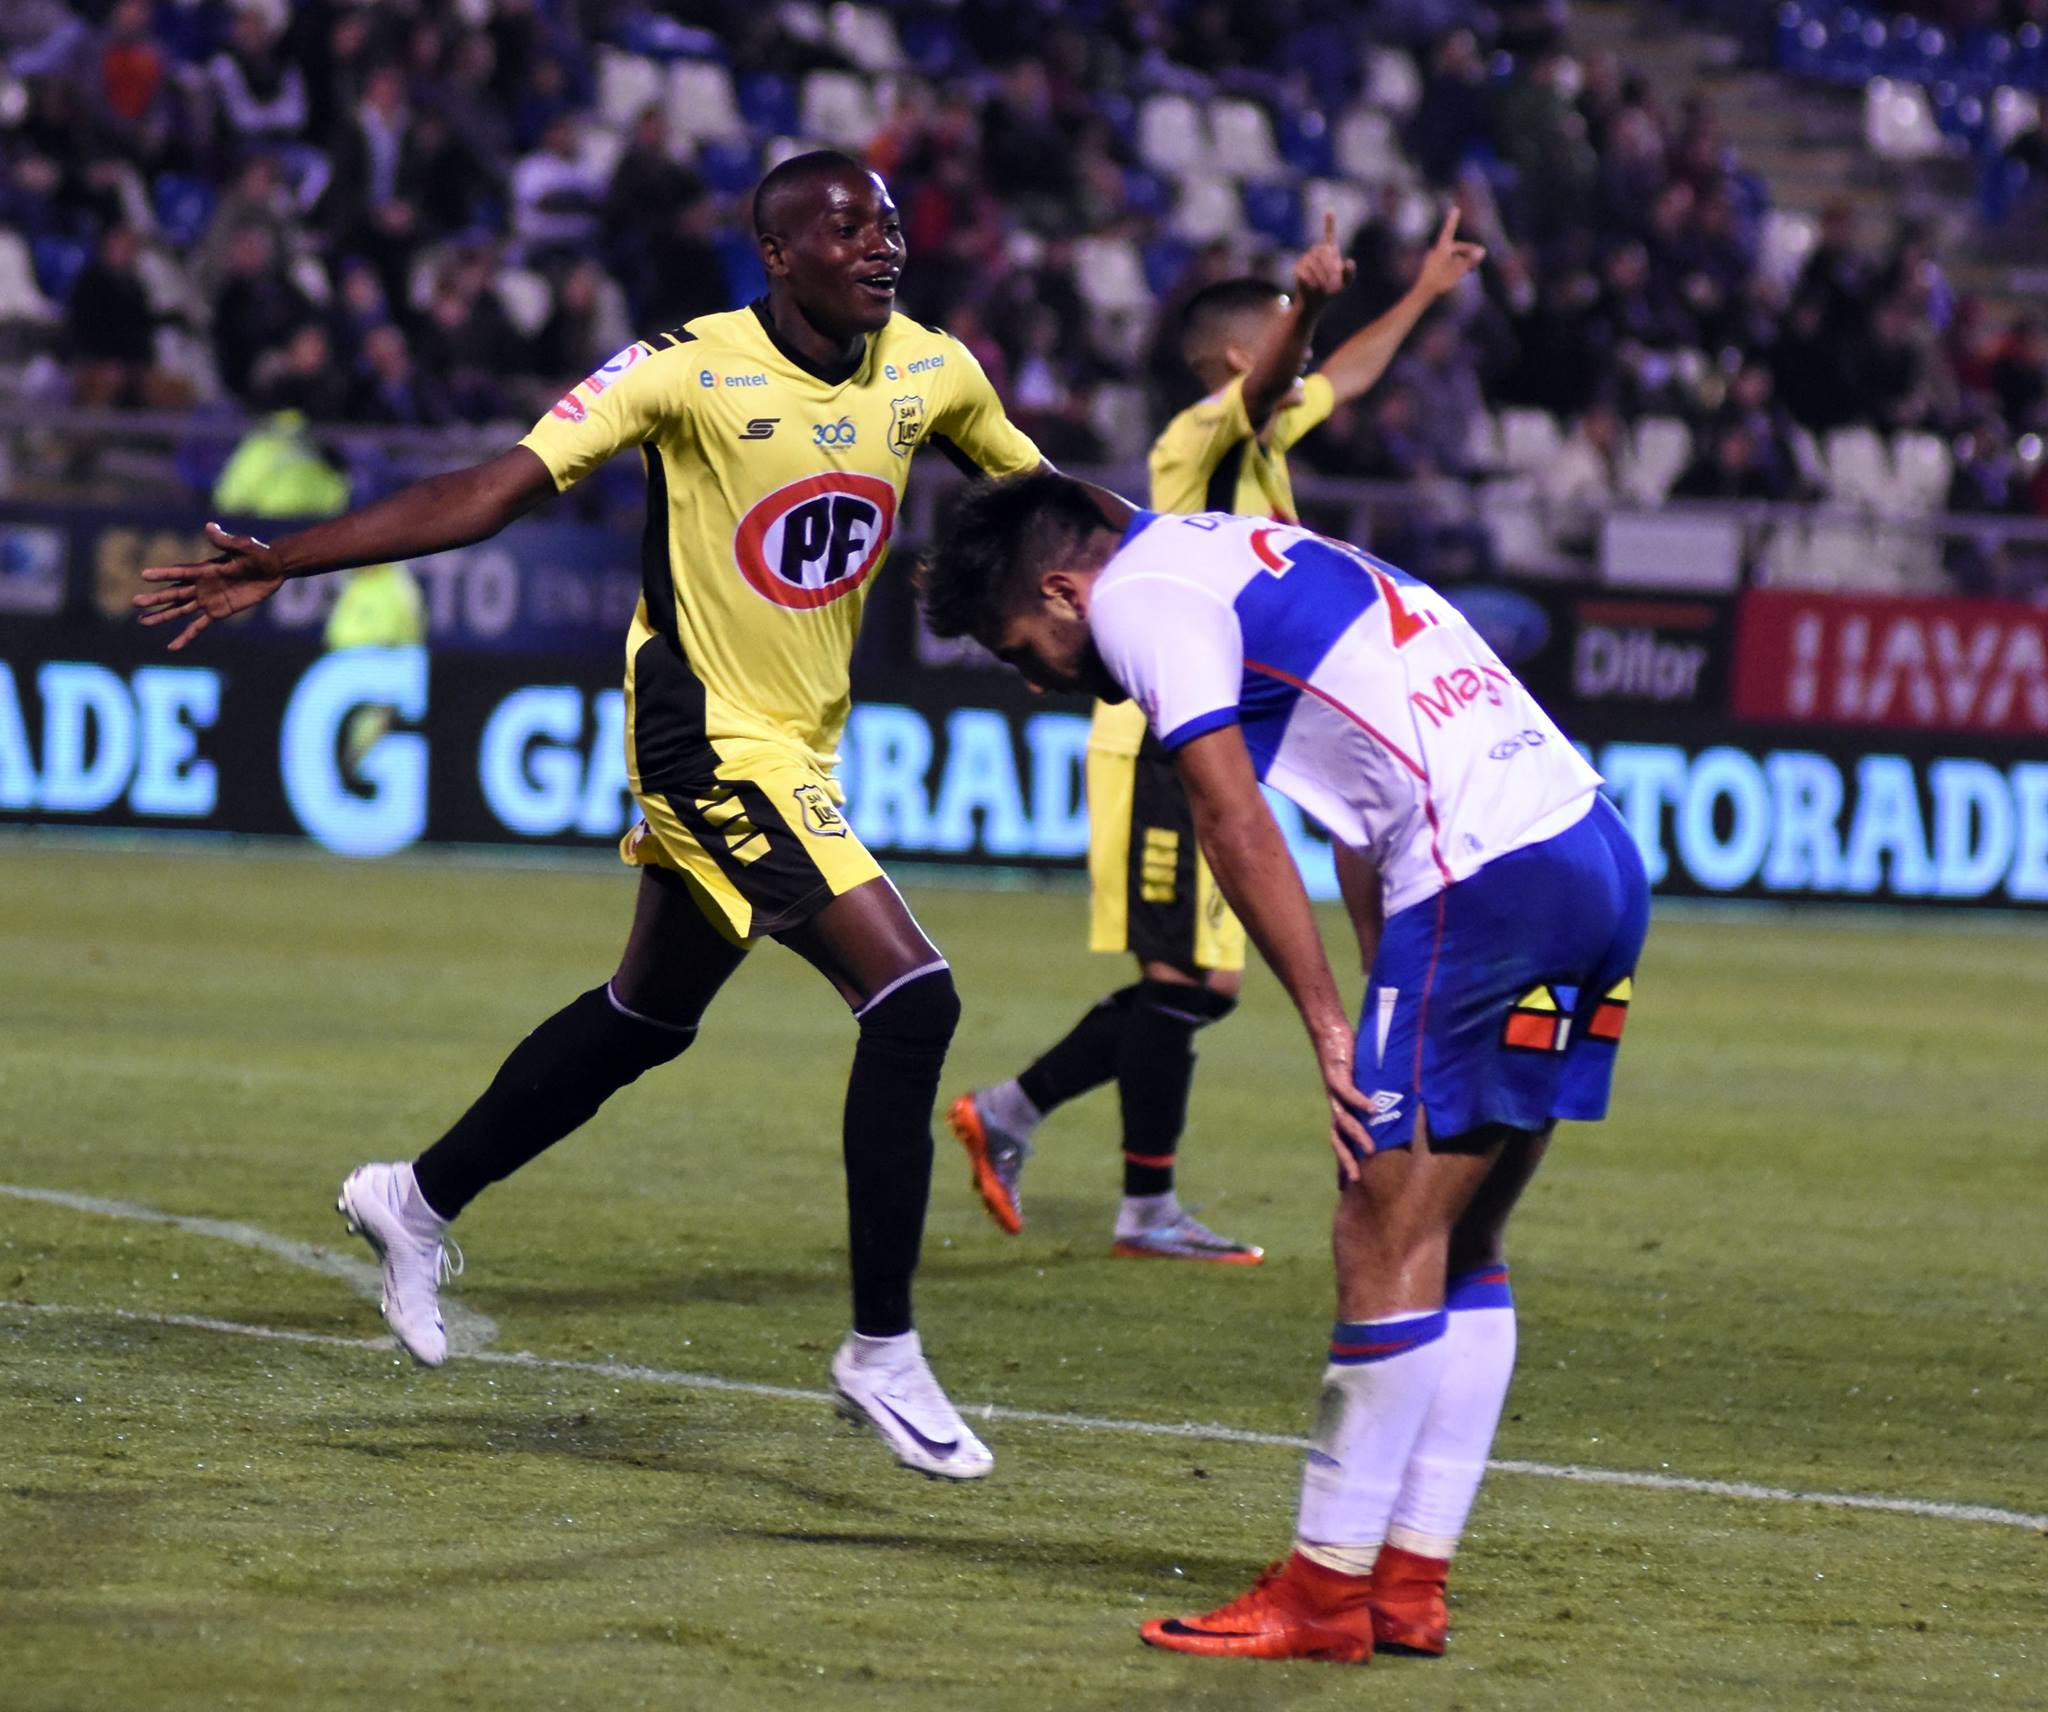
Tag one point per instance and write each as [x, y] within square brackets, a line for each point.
[436, 212]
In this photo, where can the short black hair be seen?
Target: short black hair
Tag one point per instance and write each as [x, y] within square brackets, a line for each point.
[799, 172]
[1000, 538]
[1210, 308]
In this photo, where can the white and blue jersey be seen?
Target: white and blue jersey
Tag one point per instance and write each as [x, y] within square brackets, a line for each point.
[1515, 900]
[1363, 695]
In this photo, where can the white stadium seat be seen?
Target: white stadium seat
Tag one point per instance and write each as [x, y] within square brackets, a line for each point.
[1208, 208]
[1786, 241]
[1368, 149]
[1110, 274]
[1392, 83]
[865, 36]
[1898, 123]
[21, 299]
[1529, 440]
[2013, 112]
[1242, 138]
[598, 148]
[527, 299]
[838, 108]
[627, 85]
[1482, 442]
[1118, 413]
[1859, 469]
[1172, 138]
[1662, 447]
[1921, 472]
[701, 102]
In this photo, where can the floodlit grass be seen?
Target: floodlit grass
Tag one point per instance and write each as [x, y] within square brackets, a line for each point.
[1805, 1251]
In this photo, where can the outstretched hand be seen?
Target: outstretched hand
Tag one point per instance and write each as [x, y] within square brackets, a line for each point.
[1450, 259]
[1323, 272]
[243, 574]
[1348, 1107]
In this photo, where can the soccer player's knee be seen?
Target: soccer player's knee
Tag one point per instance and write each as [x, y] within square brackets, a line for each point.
[1196, 1006]
[922, 1013]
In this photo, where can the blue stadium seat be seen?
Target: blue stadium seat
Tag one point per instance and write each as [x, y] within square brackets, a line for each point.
[1274, 211]
[931, 42]
[184, 207]
[768, 103]
[1166, 259]
[1147, 193]
[729, 168]
[59, 261]
[744, 278]
[1305, 144]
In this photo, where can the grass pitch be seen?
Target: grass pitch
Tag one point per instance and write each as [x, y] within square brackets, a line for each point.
[1805, 1252]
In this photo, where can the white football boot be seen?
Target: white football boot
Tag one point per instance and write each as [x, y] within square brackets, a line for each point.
[891, 1389]
[383, 1206]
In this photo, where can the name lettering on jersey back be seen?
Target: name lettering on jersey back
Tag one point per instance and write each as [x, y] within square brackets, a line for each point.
[1450, 693]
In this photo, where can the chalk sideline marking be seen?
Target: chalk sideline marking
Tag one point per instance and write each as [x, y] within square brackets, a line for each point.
[468, 1330]
[364, 1277]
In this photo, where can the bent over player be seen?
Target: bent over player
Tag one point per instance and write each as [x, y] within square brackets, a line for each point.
[1152, 893]
[777, 441]
[1513, 904]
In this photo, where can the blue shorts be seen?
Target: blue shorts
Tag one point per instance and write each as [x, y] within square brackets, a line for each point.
[1501, 1000]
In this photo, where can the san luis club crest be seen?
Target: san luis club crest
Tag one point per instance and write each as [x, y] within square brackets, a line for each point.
[816, 540]
[906, 424]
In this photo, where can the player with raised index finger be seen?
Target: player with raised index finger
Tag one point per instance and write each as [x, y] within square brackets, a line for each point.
[777, 440]
[1152, 893]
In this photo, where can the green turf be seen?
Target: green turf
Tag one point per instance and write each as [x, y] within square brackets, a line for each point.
[1805, 1251]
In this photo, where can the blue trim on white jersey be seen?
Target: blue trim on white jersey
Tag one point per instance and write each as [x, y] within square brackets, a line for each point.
[1200, 726]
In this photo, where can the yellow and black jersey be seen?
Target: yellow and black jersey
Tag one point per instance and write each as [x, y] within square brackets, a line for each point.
[773, 488]
[1208, 459]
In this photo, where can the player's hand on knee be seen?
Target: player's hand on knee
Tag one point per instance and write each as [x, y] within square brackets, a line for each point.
[1348, 1107]
[243, 574]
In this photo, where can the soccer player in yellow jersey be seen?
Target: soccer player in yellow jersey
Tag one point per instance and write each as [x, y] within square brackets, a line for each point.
[777, 441]
[1153, 894]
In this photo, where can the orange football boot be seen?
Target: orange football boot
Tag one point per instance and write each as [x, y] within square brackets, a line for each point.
[1296, 1609]
[995, 1169]
[1406, 1593]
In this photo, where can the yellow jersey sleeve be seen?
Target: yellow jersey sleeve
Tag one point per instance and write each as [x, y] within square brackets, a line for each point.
[1194, 444]
[1318, 399]
[638, 396]
[972, 417]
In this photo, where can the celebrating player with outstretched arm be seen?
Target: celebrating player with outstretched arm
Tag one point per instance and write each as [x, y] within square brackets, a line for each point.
[777, 441]
[1514, 907]
[1152, 893]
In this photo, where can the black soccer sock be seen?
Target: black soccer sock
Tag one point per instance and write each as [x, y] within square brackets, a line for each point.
[1086, 1057]
[554, 1081]
[904, 1034]
[1155, 1066]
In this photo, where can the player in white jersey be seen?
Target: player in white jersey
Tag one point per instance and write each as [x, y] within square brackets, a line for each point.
[1511, 908]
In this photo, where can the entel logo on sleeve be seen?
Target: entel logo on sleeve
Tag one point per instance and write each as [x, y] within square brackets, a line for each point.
[816, 540]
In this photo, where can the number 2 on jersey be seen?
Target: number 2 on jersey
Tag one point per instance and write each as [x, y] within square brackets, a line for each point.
[1403, 624]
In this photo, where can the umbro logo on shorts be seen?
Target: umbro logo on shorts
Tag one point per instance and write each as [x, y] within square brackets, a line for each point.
[1386, 1106]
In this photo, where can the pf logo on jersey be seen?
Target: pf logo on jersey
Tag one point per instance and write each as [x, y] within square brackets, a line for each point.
[816, 540]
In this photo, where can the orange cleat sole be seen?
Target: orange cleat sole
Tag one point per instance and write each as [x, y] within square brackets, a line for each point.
[965, 1123]
[1295, 1641]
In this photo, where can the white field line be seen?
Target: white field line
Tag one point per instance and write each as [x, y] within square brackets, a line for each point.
[1184, 1430]
[468, 1330]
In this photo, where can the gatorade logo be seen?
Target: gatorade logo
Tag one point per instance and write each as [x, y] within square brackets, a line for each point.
[816, 540]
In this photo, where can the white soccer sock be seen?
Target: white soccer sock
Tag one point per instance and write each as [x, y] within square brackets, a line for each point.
[1009, 1109]
[1145, 1212]
[885, 1352]
[1376, 1393]
[1449, 1459]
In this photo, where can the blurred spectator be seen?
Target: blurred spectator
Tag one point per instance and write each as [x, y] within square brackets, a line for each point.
[556, 198]
[258, 309]
[302, 375]
[1732, 467]
[261, 95]
[111, 329]
[467, 341]
[1439, 377]
[1455, 112]
[389, 387]
[2019, 373]
[256, 198]
[1585, 480]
